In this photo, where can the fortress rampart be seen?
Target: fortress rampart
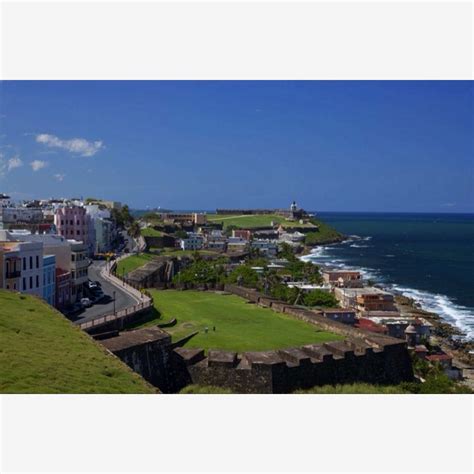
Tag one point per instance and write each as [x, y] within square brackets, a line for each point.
[361, 357]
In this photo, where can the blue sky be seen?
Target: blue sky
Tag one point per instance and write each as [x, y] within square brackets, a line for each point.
[331, 145]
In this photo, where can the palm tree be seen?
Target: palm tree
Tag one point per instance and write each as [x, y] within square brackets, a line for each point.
[134, 230]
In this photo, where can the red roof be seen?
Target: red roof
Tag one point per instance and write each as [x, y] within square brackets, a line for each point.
[369, 325]
[436, 357]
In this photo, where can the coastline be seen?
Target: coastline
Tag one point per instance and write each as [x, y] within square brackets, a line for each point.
[446, 334]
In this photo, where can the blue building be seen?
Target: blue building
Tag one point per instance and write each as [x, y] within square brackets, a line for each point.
[49, 279]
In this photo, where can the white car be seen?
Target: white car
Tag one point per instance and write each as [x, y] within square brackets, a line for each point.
[86, 302]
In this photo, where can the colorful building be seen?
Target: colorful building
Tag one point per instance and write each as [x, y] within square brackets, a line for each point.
[10, 266]
[49, 279]
[73, 222]
[63, 288]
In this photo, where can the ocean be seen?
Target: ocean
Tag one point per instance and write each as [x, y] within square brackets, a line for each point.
[428, 257]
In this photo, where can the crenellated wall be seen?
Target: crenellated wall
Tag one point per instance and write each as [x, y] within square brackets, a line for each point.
[287, 370]
[362, 357]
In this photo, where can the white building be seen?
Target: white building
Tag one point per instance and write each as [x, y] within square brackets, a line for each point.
[192, 242]
[102, 225]
[292, 237]
[19, 215]
[52, 245]
[31, 255]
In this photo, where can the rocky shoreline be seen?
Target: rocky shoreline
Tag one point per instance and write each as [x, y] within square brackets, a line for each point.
[446, 335]
[449, 337]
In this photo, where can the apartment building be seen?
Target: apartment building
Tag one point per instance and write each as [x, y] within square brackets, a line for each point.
[79, 269]
[342, 278]
[49, 279]
[10, 266]
[31, 254]
[366, 300]
[73, 223]
[192, 242]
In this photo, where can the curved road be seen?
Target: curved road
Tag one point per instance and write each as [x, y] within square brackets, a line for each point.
[106, 306]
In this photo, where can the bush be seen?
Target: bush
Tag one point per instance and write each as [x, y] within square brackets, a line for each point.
[320, 298]
[201, 272]
[243, 275]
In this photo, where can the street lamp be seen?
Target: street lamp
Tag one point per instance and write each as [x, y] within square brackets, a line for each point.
[114, 302]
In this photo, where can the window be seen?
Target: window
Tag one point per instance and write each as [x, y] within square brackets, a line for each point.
[24, 284]
[37, 261]
[37, 281]
[62, 221]
[31, 282]
[31, 262]
[24, 263]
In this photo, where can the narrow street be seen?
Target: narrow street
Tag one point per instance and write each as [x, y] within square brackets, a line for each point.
[106, 306]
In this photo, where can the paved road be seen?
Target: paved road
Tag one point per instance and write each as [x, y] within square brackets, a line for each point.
[122, 299]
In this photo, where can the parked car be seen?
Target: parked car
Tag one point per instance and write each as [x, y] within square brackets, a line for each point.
[86, 302]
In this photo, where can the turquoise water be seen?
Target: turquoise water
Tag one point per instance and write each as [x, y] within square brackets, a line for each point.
[429, 257]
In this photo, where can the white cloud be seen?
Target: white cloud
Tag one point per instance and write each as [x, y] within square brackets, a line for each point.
[7, 165]
[14, 162]
[38, 164]
[59, 176]
[80, 146]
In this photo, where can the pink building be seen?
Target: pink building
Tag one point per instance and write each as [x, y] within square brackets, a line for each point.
[72, 222]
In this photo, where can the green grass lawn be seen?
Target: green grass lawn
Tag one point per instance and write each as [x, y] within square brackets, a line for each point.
[325, 234]
[240, 326]
[132, 262]
[150, 232]
[42, 352]
[251, 221]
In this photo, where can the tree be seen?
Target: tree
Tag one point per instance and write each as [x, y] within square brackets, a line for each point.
[134, 230]
[180, 234]
[320, 298]
[244, 275]
[201, 272]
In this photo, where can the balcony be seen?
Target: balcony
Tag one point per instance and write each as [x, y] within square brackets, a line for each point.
[13, 274]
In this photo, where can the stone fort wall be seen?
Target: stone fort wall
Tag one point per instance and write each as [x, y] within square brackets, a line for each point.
[361, 357]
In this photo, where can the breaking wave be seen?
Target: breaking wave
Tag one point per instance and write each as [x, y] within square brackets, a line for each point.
[460, 316]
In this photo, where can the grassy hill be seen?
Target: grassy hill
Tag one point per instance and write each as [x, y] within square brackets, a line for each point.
[151, 232]
[323, 234]
[132, 262]
[253, 220]
[240, 326]
[42, 352]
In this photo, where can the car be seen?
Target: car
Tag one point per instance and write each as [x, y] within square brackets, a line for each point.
[97, 282]
[97, 293]
[86, 302]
